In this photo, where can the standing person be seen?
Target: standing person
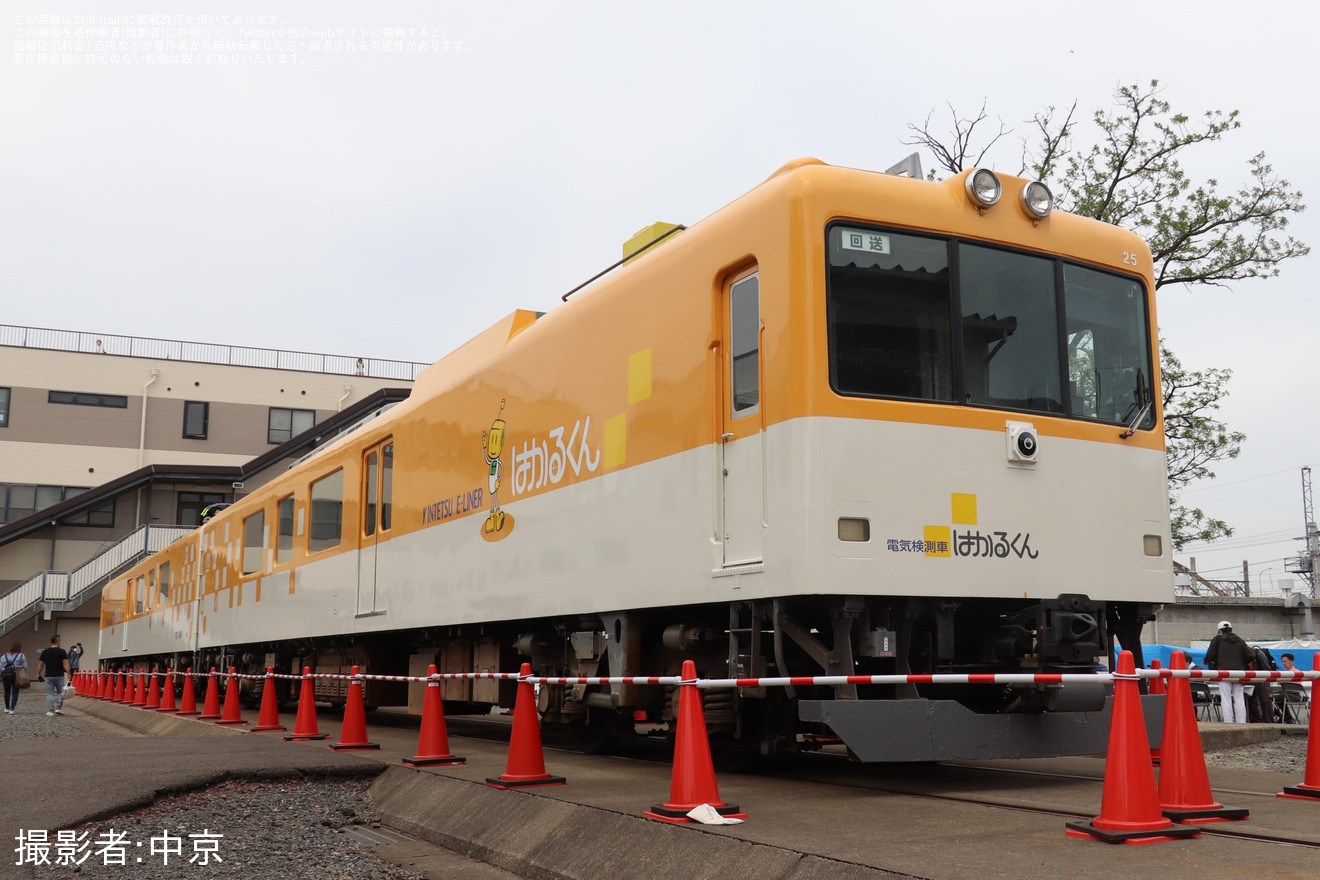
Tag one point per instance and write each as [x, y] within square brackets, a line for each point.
[9, 665]
[1227, 651]
[54, 663]
[1261, 702]
[75, 658]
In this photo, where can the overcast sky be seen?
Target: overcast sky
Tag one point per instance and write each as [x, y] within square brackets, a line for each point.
[393, 204]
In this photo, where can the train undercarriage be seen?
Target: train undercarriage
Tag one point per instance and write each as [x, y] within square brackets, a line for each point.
[800, 636]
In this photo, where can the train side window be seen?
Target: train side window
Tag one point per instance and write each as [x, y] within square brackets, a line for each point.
[152, 602]
[254, 541]
[369, 507]
[139, 593]
[327, 512]
[745, 325]
[386, 485]
[164, 584]
[284, 547]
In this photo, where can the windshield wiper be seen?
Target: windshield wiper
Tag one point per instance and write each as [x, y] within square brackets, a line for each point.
[1143, 393]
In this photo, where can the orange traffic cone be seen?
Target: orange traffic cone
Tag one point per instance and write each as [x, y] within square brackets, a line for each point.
[188, 705]
[353, 735]
[1157, 689]
[1184, 782]
[304, 726]
[269, 719]
[119, 687]
[140, 693]
[525, 767]
[100, 686]
[1157, 685]
[1309, 788]
[693, 780]
[130, 687]
[233, 713]
[433, 743]
[211, 702]
[153, 691]
[1129, 806]
[167, 693]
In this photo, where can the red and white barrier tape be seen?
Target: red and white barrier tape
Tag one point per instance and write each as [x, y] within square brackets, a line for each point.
[1046, 678]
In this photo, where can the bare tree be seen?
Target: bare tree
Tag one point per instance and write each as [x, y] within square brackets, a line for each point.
[1132, 176]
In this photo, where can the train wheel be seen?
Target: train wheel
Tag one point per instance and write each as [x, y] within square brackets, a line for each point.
[597, 733]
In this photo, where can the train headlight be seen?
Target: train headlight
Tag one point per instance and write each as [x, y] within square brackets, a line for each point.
[983, 187]
[1037, 199]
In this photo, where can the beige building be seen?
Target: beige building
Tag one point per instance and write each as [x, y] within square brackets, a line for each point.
[112, 445]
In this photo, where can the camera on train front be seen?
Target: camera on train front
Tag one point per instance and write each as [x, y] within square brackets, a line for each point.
[1023, 443]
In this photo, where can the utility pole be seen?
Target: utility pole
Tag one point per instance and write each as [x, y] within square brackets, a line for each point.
[1308, 563]
[1312, 535]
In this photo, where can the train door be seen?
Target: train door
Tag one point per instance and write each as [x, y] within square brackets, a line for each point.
[377, 512]
[742, 491]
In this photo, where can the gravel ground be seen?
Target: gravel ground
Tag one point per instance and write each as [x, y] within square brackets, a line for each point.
[1287, 754]
[293, 829]
[290, 830]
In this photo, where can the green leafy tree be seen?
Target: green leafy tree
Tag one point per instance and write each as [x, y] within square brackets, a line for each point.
[1198, 233]
[1194, 438]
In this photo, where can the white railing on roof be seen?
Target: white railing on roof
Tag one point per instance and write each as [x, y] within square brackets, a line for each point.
[69, 587]
[206, 353]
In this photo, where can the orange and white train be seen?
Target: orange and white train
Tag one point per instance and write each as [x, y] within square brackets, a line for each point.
[851, 423]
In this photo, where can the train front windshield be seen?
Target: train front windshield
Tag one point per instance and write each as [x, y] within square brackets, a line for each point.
[899, 328]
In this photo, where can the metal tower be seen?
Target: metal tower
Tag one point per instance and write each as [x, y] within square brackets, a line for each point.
[1309, 561]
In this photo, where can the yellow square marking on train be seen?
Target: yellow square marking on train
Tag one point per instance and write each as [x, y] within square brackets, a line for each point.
[616, 441]
[257, 597]
[292, 574]
[639, 376]
[964, 509]
[938, 541]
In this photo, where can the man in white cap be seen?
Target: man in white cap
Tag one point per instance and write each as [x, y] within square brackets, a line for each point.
[1228, 651]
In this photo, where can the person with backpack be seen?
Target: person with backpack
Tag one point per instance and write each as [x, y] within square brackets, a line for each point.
[10, 663]
[1260, 705]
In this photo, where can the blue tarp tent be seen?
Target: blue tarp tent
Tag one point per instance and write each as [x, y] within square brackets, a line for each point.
[1301, 656]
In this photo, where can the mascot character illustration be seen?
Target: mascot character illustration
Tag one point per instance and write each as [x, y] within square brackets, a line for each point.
[492, 443]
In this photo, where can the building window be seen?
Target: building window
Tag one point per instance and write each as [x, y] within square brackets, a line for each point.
[285, 424]
[22, 502]
[195, 416]
[4, 407]
[191, 505]
[18, 501]
[78, 398]
[101, 516]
